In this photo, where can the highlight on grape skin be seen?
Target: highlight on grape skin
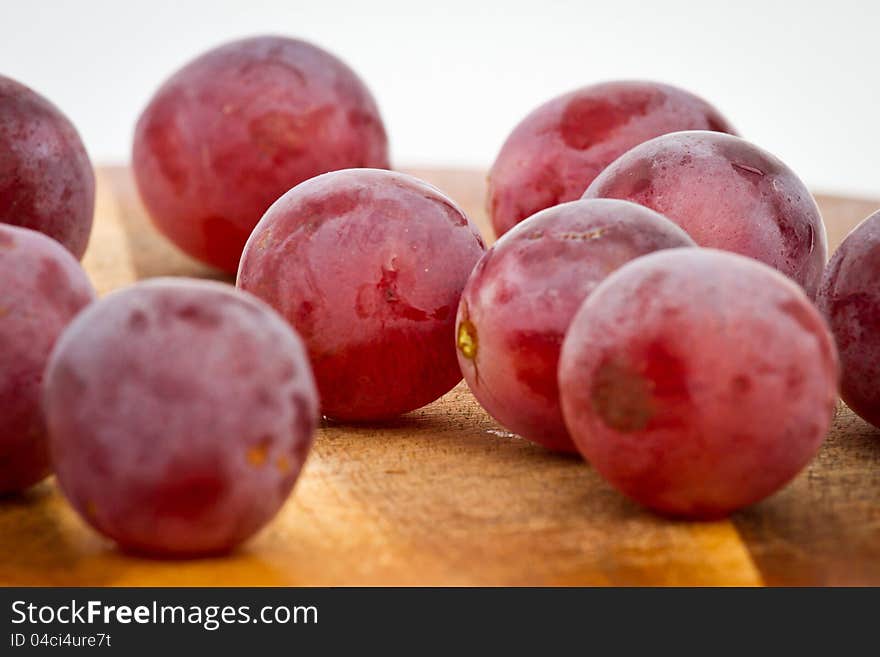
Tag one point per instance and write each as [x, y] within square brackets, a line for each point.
[554, 153]
[180, 414]
[849, 298]
[239, 126]
[368, 265]
[523, 294]
[42, 288]
[727, 194]
[46, 179]
[698, 381]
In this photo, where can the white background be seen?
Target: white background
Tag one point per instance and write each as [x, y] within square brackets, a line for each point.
[452, 77]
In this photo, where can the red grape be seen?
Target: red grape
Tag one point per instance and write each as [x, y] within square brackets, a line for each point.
[369, 266]
[698, 381]
[43, 288]
[180, 413]
[849, 297]
[240, 125]
[727, 194]
[556, 151]
[46, 180]
[522, 295]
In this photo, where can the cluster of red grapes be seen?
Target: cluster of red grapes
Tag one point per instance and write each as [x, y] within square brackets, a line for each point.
[177, 414]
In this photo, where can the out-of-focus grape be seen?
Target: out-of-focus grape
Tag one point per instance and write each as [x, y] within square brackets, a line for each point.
[42, 288]
[180, 414]
[239, 126]
[46, 180]
[556, 151]
[849, 297]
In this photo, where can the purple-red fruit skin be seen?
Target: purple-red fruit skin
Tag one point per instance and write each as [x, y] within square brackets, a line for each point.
[46, 179]
[556, 151]
[369, 266]
[239, 126]
[727, 194]
[849, 297]
[180, 415]
[522, 296]
[42, 288]
[698, 381]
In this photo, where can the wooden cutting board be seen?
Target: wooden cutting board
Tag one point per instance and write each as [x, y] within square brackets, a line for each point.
[445, 496]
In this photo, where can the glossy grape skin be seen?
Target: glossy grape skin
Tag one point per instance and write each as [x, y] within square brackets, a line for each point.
[522, 296]
[849, 298]
[180, 414]
[698, 381]
[46, 179]
[239, 126]
[42, 288]
[369, 266]
[556, 151]
[727, 194]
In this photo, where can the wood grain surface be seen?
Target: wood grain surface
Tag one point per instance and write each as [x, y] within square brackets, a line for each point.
[445, 496]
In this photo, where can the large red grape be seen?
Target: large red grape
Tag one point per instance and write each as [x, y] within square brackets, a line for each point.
[849, 297]
[556, 151]
[369, 266]
[698, 381]
[180, 413]
[46, 180]
[522, 295]
[240, 125]
[728, 194]
[42, 288]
